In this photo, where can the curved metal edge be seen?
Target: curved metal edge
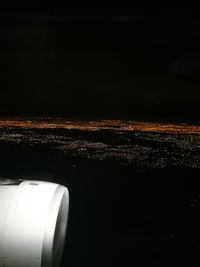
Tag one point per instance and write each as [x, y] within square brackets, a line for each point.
[8, 181]
[57, 218]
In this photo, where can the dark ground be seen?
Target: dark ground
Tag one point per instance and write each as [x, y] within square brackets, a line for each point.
[134, 196]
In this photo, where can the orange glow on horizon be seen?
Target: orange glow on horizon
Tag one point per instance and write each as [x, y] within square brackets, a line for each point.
[94, 125]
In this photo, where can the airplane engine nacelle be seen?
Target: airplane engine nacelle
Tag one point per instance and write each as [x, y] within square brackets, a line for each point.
[33, 222]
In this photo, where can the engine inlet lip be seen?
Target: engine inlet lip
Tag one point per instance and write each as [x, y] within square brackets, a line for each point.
[54, 237]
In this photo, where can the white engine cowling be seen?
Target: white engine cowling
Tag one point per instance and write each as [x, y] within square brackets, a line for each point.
[33, 222]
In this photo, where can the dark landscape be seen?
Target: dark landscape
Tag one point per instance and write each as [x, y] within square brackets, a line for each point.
[104, 98]
[134, 186]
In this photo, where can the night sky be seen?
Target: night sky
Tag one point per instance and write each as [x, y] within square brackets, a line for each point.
[137, 61]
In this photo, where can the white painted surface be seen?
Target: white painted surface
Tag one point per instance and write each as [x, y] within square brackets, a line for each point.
[25, 211]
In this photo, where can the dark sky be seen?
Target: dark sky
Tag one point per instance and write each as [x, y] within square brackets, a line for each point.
[137, 61]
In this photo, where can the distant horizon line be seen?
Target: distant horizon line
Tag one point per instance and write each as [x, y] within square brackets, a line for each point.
[98, 124]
